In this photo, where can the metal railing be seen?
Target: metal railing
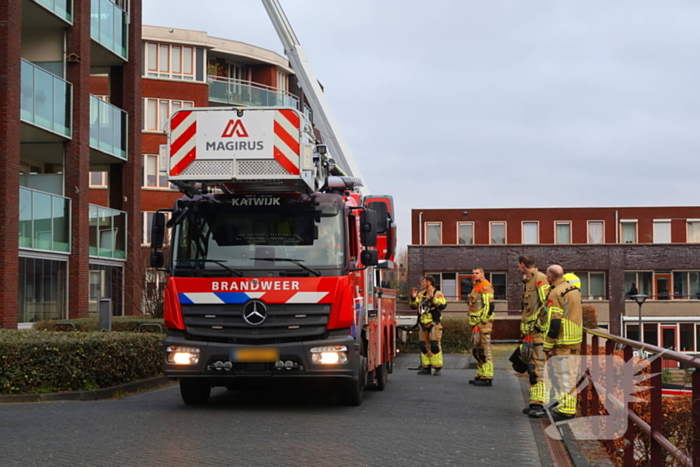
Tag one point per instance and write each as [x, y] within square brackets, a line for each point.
[240, 92]
[108, 26]
[46, 99]
[108, 128]
[591, 406]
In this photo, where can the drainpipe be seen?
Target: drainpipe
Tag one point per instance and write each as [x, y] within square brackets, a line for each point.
[420, 228]
[617, 228]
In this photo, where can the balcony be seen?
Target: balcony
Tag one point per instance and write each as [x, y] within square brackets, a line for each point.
[61, 8]
[44, 221]
[108, 27]
[45, 100]
[108, 130]
[107, 232]
[244, 93]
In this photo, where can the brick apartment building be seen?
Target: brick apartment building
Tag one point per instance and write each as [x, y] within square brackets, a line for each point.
[53, 130]
[610, 249]
[84, 97]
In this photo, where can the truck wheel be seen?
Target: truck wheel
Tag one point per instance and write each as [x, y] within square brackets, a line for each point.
[353, 391]
[194, 391]
[381, 375]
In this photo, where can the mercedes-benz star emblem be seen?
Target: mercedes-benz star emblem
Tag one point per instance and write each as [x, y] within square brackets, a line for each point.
[255, 312]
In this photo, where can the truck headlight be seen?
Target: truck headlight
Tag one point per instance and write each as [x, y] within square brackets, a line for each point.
[182, 355]
[329, 355]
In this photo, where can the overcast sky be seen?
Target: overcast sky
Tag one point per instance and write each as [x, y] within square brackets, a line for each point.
[495, 103]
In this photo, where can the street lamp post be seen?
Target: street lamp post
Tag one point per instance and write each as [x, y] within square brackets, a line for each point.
[640, 299]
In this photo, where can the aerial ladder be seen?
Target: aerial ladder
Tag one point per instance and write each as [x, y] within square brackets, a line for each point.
[323, 117]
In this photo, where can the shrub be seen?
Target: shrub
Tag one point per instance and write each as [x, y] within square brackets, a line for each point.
[456, 337]
[41, 361]
[590, 317]
[119, 324]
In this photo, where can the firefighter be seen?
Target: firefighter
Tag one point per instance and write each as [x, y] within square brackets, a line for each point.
[535, 290]
[573, 279]
[563, 337]
[429, 302]
[481, 308]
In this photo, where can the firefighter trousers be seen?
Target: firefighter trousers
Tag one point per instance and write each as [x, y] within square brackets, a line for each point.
[563, 366]
[430, 345]
[535, 370]
[483, 357]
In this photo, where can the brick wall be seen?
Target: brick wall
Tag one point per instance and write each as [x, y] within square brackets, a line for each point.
[10, 91]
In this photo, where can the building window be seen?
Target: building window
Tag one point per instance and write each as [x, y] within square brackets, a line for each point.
[662, 231]
[449, 285]
[433, 233]
[98, 179]
[43, 289]
[169, 61]
[592, 285]
[106, 282]
[563, 232]
[531, 234]
[147, 223]
[693, 231]
[686, 285]
[628, 231]
[498, 233]
[157, 112]
[596, 232]
[465, 233]
[498, 280]
[281, 80]
[457, 286]
[153, 176]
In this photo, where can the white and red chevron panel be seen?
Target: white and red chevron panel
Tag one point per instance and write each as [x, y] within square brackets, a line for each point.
[256, 134]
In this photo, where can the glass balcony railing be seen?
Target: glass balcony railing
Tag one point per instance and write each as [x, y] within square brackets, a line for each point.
[107, 232]
[107, 128]
[237, 92]
[44, 221]
[108, 26]
[62, 8]
[46, 99]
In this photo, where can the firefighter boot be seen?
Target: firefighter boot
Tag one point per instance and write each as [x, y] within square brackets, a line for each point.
[437, 371]
[476, 378]
[484, 382]
[537, 411]
[530, 407]
[425, 371]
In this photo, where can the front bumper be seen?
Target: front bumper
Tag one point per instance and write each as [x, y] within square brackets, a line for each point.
[299, 353]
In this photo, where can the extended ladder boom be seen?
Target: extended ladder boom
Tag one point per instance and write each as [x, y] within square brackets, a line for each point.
[323, 116]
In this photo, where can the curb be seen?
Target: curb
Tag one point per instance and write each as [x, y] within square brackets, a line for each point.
[99, 394]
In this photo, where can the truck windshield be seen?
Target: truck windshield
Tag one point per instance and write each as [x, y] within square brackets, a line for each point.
[229, 235]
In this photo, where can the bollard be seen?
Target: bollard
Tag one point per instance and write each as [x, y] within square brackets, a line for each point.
[104, 313]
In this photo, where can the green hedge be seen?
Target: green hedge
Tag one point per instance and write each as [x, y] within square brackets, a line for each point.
[456, 337]
[34, 362]
[119, 324]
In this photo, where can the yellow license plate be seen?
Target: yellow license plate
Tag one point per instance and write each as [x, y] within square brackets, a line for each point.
[255, 354]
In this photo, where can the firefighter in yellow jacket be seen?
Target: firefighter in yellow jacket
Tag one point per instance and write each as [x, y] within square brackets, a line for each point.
[563, 337]
[535, 290]
[429, 302]
[481, 308]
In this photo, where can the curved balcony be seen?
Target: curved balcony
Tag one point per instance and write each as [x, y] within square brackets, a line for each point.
[247, 93]
[44, 221]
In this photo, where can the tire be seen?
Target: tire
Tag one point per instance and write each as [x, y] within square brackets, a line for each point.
[381, 374]
[354, 391]
[194, 391]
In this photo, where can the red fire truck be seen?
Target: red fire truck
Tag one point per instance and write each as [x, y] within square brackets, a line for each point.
[276, 258]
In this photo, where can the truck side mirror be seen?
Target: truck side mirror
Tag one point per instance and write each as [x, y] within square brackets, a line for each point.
[158, 230]
[368, 228]
[157, 259]
[382, 215]
[369, 257]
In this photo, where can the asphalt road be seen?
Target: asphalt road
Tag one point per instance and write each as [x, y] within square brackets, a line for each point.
[417, 421]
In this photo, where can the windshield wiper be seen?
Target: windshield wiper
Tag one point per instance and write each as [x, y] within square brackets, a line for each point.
[220, 262]
[295, 261]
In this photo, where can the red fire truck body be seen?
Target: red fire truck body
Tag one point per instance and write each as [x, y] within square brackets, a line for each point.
[276, 260]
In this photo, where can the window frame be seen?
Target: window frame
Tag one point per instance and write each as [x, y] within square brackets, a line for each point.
[104, 179]
[653, 231]
[159, 119]
[522, 230]
[556, 239]
[169, 186]
[636, 230]
[687, 229]
[167, 71]
[588, 232]
[425, 227]
[505, 232]
[471, 224]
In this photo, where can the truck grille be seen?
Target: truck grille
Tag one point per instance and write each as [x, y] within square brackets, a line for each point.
[284, 323]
